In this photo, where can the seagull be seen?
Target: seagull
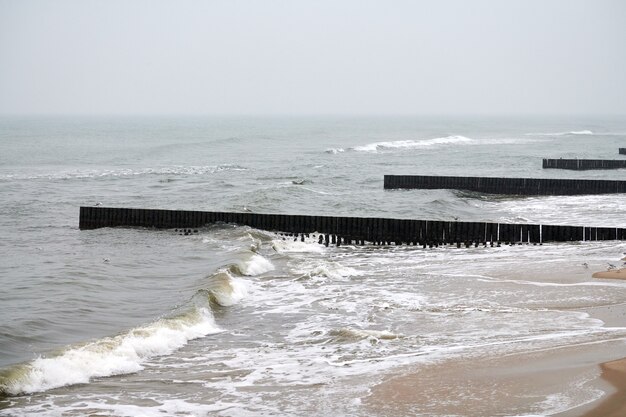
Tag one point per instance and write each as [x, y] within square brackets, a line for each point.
[105, 260]
[585, 264]
[611, 266]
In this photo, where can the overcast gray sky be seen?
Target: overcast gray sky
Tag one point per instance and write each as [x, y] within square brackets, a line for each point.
[313, 57]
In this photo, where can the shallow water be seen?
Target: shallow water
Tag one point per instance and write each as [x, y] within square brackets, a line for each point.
[236, 321]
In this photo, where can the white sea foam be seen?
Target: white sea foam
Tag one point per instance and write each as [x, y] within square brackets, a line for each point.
[290, 246]
[227, 290]
[353, 333]
[117, 355]
[255, 265]
[332, 270]
[411, 144]
[156, 407]
[568, 133]
[335, 150]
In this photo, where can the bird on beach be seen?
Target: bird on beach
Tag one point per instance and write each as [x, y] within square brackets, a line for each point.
[585, 264]
[611, 266]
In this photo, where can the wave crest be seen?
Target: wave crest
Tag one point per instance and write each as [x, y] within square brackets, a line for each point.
[411, 144]
[117, 355]
[254, 265]
[568, 133]
[226, 290]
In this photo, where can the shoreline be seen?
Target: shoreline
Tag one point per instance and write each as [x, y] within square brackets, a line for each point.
[614, 404]
[593, 375]
[611, 274]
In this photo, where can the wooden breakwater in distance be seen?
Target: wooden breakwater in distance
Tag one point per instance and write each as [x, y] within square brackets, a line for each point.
[514, 186]
[622, 151]
[584, 164]
[353, 230]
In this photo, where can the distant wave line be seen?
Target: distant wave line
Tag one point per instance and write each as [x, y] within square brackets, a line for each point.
[568, 133]
[86, 174]
[403, 144]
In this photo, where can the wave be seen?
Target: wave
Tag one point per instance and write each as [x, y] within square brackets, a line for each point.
[290, 246]
[348, 334]
[122, 354]
[125, 353]
[254, 264]
[335, 151]
[569, 133]
[224, 289]
[411, 144]
[333, 271]
[87, 174]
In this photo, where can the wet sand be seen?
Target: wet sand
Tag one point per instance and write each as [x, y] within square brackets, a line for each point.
[614, 372]
[615, 404]
[612, 274]
[572, 378]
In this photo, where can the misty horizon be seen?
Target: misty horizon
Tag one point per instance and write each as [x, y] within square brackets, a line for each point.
[279, 58]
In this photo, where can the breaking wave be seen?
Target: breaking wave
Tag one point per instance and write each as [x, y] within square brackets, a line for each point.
[569, 133]
[253, 265]
[225, 289]
[335, 151]
[411, 144]
[122, 354]
[126, 352]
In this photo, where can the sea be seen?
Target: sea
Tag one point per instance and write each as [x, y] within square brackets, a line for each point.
[232, 321]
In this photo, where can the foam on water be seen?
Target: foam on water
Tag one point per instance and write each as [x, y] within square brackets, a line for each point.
[358, 334]
[291, 246]
[411, 144]
[225, 289]
[567, 133]
[91, 406]
[334, 150]
[109, 356]
[254, 264]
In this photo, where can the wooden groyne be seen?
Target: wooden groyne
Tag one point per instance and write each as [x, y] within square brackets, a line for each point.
[584, 164]
[622, 151]
[515, 186]
[352, 230]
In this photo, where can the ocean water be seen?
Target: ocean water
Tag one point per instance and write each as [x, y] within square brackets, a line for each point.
[233, 321]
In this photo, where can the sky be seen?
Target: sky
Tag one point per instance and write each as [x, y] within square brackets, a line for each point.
[345, 57]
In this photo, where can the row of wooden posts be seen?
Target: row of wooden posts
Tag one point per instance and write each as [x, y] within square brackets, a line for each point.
[353, 230]
[586, 164]
[498, 185]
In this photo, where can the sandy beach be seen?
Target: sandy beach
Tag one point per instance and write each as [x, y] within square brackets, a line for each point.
[511, 385]
[594, 374]
[613, 372]
[614, 405]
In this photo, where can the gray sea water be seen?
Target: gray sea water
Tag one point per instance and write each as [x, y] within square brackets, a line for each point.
[233, 321]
